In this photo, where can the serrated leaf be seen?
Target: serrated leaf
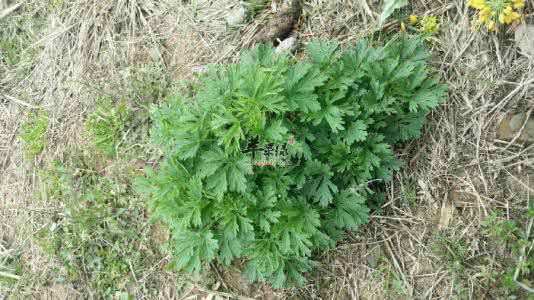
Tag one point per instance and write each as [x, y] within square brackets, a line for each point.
[332, 118]
[276, 132]
[217, 182]
[350, 210]
[236, 173]
[321, 51]
[325, 192]
[356, 132]
[230, 249]
[210, 162]
[191, 247]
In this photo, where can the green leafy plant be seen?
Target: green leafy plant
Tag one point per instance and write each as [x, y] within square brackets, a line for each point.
[270, 159]
[33, 133]
[519, 243]
[106, 125]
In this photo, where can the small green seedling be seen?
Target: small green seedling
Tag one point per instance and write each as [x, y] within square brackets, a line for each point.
[33, 133]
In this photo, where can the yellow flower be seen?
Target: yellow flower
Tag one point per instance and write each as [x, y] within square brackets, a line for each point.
[478, 4]
[403, 27]
[502, 18]
[412, 19]
[482, 18]
[508, 10]
[491, 25]
[518, 4]
[494, 12]
[429, 24]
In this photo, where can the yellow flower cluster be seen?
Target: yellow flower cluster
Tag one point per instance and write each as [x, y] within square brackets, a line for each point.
[429, 24]
[494, 12]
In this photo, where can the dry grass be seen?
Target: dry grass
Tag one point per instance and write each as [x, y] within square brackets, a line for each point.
[456, 175]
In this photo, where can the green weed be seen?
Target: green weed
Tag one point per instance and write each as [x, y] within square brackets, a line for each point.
[409, 195]
[9, 51]
[455, 253]
[392, 283]
[516, 237]
[270, 160]
[33, 133]
[99, 239]
[107, 124]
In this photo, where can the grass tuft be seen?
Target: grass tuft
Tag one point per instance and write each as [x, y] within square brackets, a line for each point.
[106, 125]
[33, 133]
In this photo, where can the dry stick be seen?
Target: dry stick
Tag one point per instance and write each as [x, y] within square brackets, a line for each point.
[19, 101]
[8, 275]
[367, 10]
[528, 188]
[9, 10]
[396, 263]
[524, 286]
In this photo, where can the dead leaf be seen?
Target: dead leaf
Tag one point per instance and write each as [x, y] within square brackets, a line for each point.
[446, 213]
[462, 199]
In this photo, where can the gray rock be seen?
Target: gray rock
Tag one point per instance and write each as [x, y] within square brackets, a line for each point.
[524, 38]
[512, 125]
[289, 45]
[237, 17]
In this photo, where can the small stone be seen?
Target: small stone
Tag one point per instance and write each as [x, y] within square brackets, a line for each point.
[524, 38]
[155, 54]
[237, 17]
[512, 124]
[288, 45]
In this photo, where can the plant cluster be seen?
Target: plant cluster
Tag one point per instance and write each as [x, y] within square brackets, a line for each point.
[106, 125]
[99, 238]
[517, 238]
[270, 159]
[427, 25]
[491, 13]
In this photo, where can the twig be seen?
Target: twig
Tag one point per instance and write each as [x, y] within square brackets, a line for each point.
[518, 135]
[8, 275]
[19, 101]
[524, 286]
[9, 10]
